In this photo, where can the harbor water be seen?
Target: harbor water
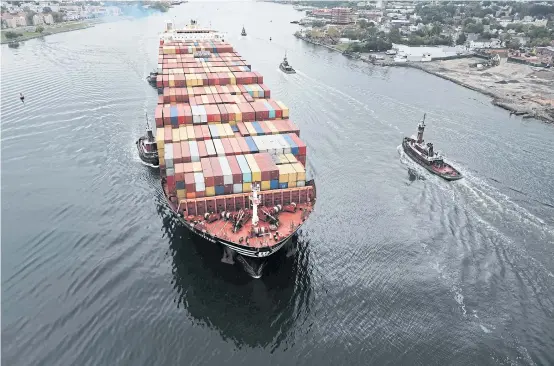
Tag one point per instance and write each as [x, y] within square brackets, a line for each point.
[395, 266]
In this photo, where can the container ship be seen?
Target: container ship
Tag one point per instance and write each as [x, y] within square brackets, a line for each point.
[232, 164]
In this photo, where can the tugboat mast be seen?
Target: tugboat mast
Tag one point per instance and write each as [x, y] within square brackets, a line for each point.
[420, 129]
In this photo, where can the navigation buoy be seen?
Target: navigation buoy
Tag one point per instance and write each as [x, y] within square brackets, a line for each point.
[22, 97]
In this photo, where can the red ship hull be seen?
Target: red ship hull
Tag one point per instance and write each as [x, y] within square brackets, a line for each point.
[445, 171]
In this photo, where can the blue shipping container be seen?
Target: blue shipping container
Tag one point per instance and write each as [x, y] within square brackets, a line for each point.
[274, 184]
[245, 169]
[258, 128]
[293, 146]
[219, 190]
[180, 185]
[283, 185]
[271, 110]
[173, 115]
[252, 145]
[234, 128]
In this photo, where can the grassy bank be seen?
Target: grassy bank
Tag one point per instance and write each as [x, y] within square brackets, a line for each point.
[29, 32]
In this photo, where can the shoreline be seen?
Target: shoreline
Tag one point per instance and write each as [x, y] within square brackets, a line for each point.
[524, 106]
[47, 32]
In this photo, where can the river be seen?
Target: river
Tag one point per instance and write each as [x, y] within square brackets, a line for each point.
[394, 267]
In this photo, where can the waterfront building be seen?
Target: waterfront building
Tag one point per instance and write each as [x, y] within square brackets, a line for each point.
[341, 15]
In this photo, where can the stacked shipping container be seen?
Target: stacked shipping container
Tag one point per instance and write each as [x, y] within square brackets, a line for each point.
[218, 130]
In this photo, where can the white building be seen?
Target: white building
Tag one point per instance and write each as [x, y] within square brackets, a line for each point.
[491, 43]
[48, 18]
[38, 19]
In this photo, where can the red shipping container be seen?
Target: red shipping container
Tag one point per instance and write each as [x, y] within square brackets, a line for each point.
[242, 89]
[271, 166]
[159, 82]
[243, 145]
[187, 167]
[276, 108]
[185, 152]
[235, 146]
[180, 172]
[160, 99]
[216, 169]
[181, 114]
[262, 164]
[265, 128]
[217, 99]
[177, 157]
[190, 184]
[291, 127]
[247, 97]
[202, 149]
[211, 99]
[247, 111]
[198, 100]
[166, 95]
[242, 129]
[228, 189]
[259, 79]
[219, 89]
[171, 184]
[158, 116]
[280, 126]
[235, 169]
[208, 172]
[168, 134]
[227, 146]
[223, 113]
[198, 134]
[267, 91]
[301, 145]
[206, 132]
[302, 159]
[188, 115]
[167, 116]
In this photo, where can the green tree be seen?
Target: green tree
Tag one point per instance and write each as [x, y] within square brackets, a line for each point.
[318, 23]
[12, 35]
[362, 23]
[513, 44]
[57, 17]
[29, 17]
[436, 29]
[462, 38]
[39, 29]
[394, 36]
[4, 9]
[46, 10]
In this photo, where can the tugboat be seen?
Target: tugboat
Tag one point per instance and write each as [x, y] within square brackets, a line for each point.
[152, 78]
[285, 67]
[243, 33]
[424, 155]
[147, 148]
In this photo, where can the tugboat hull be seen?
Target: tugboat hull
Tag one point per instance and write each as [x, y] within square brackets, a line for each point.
[148, 158]
[283, 69]
[440, 172]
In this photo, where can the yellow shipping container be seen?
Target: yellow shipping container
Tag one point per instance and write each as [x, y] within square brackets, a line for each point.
[190, 91]
[246, 187]
[265, 185]
[256, 172]
[171, 82]
[221, 130]
[284, 108]
[282, 159]
[283, 173]
[183, 133]
[197, 167]
[228, 130]
[210, 191]
[175, 132]
[181, 194]
[190, 133]
[250, 128]
[291, 158]
[274, 131]
[162, 159]
[232, 79]
[292, 184]
[300, 171]
[292, 173]
[160, 137]
[232, 123]
[238, 114]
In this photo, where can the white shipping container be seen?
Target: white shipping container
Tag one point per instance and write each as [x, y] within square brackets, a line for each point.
[284, 144]
[170, 172]
[169, 163]
[259, 143]
[210, 148]
[198, 177]
[219, 147]
[226, 169]
[301, 183]
[273, 146]
[203, 114]
[194, 154]
[237, 188]
[168, 152]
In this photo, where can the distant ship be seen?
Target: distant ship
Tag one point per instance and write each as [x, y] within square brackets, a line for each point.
[285, 67]
[243, 33]
[232, 164]
[424, 155]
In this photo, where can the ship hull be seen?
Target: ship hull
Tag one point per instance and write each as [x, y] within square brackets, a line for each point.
[418, 159]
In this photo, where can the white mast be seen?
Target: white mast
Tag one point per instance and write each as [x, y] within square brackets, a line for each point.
[255, 202]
